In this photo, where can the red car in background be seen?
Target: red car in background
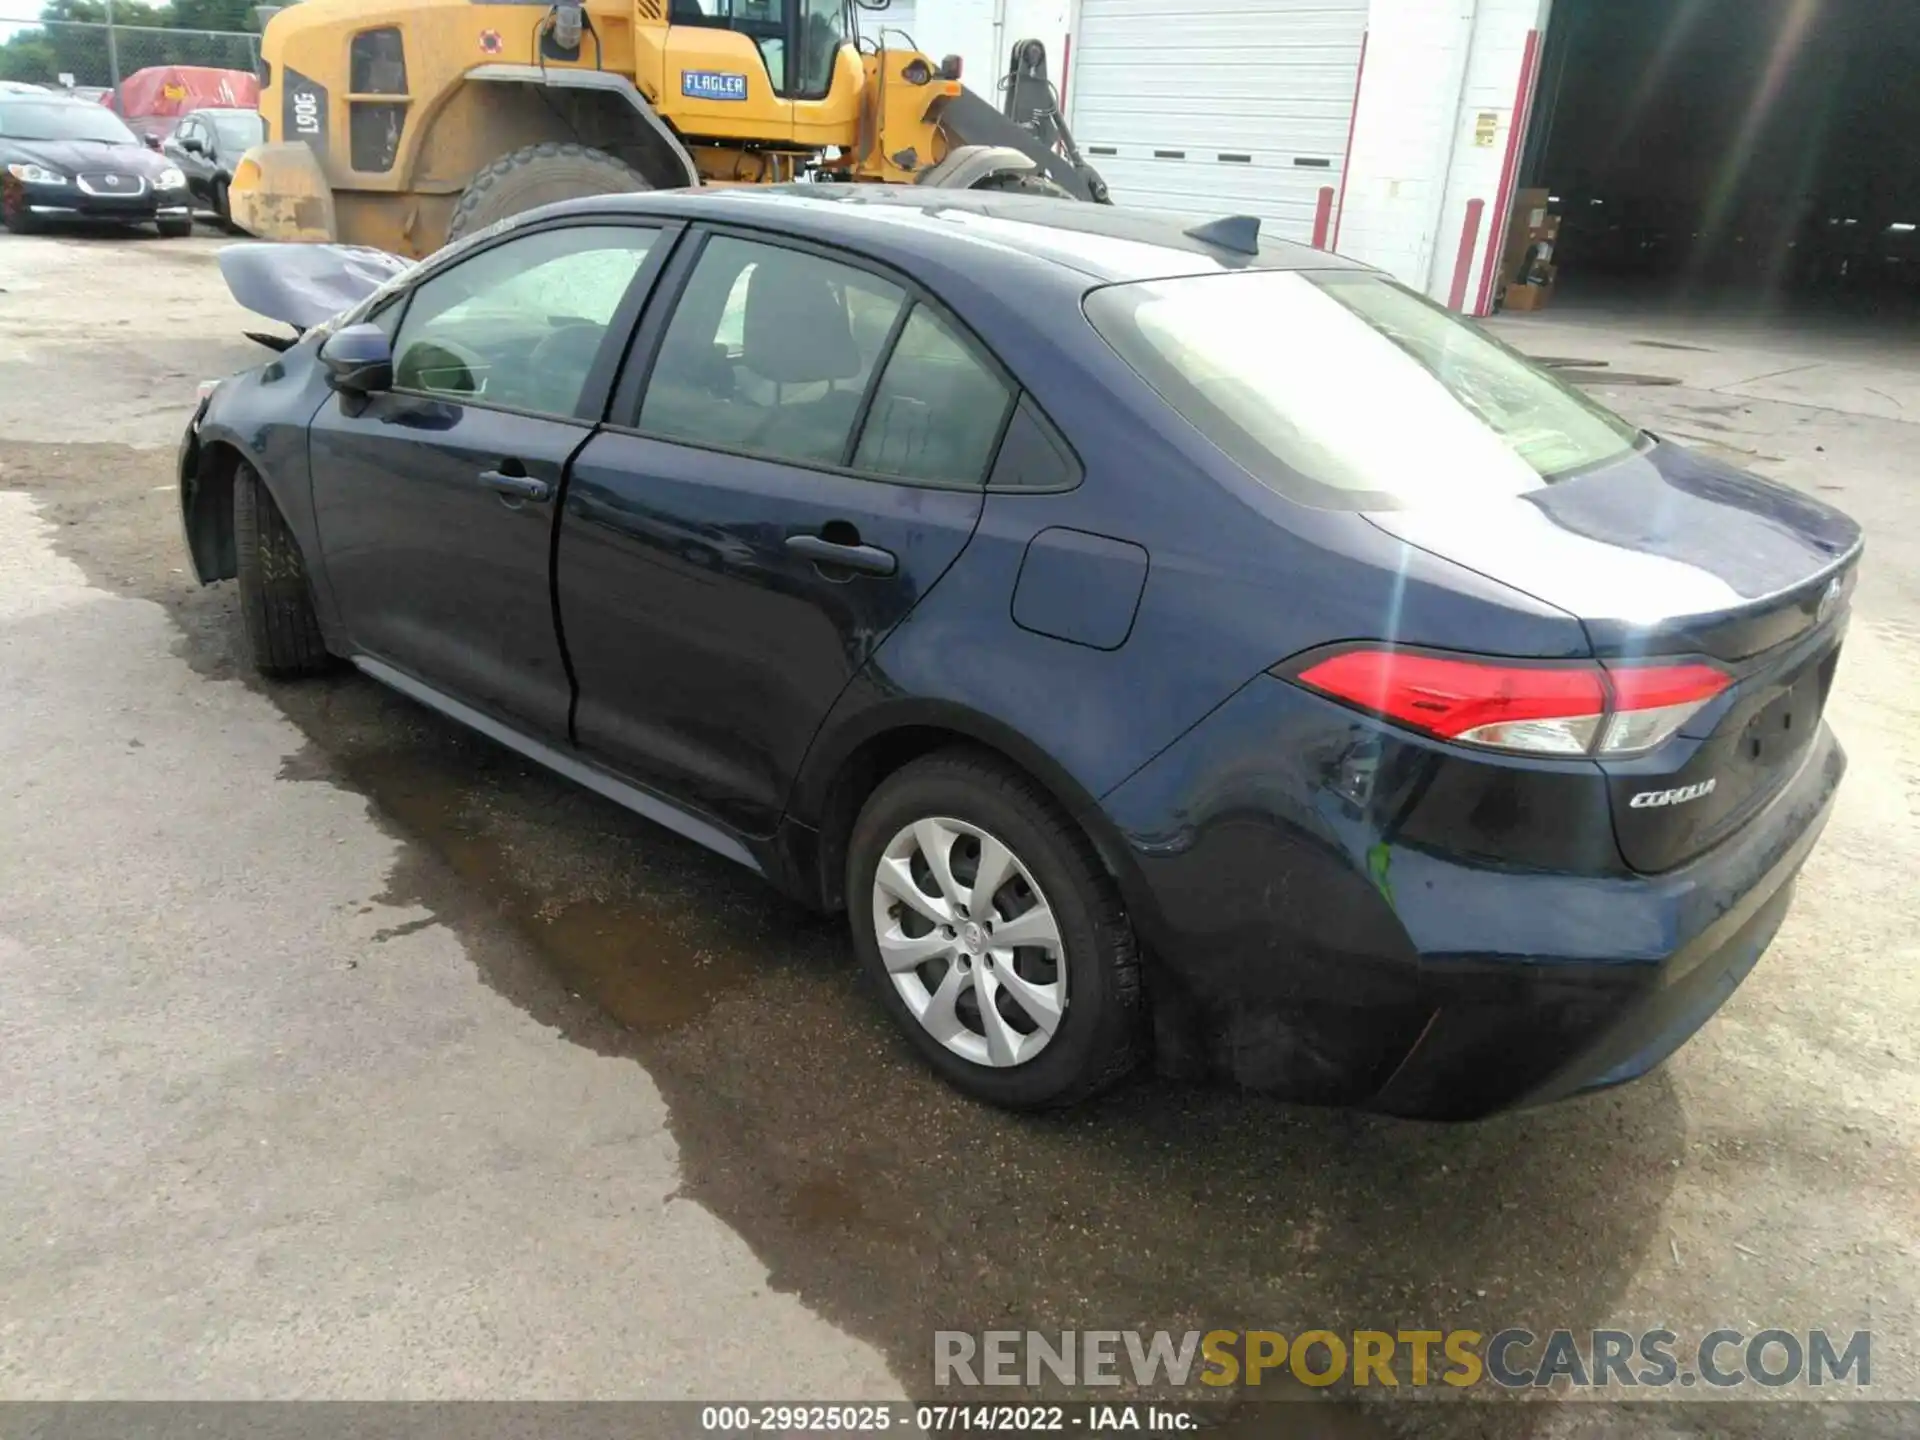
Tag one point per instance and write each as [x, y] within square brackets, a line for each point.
[152, 101]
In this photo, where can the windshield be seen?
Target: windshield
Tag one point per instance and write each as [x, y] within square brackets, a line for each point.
[823, 30]
[1345, 390]
[237, 132]
[62, 120]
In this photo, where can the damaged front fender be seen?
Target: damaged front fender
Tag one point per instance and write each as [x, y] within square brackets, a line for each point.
[206, 505]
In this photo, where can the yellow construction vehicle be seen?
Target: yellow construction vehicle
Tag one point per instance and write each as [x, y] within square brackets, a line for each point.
[404, 126]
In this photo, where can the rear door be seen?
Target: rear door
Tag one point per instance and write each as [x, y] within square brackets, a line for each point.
[803, 460]
[435, 501]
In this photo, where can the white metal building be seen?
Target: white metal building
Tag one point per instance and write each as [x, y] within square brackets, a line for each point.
[1385, 120]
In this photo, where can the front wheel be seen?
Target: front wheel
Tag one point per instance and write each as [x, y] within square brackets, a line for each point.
[220, 210]
[174, 229]
[539, 175]
[997, 939]
[16, 212]
[276, 605]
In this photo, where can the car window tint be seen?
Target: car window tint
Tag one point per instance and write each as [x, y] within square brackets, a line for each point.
[769, 351]
[519, 325]
[939, 408]
[1033, 456]
[1345, 389]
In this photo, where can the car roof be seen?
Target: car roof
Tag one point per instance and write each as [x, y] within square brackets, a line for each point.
[1103, 243]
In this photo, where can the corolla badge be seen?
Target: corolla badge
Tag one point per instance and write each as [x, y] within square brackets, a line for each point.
[1657, 799]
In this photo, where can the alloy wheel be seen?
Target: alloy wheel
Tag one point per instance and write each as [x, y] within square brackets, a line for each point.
[970, 942]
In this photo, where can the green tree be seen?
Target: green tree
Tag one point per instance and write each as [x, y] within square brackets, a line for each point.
[72, 39]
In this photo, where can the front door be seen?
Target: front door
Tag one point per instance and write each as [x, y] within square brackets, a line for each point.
[808, 458]
[435, 501]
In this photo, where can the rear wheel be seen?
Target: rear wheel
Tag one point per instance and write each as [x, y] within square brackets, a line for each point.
[539, 175]
[996, 937]
[283, 633]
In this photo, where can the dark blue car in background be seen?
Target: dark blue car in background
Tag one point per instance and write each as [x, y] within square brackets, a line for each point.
[1156, 640]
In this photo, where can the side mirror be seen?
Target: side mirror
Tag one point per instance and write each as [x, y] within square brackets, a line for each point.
[359, 359]
[191, 144]
[153, 140]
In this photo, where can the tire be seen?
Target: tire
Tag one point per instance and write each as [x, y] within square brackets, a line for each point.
[974, 799]
[174, 229]
[19, 219]
[539, 175]
[220, 210]
[1026, 183]
[276, 605]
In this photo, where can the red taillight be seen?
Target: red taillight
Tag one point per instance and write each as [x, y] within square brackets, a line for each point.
[1532, 709]
[1650, 702]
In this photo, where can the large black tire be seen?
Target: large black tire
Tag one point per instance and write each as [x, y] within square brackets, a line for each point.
[1102, 1027]
[539, 175]
[174, 229]
[1029, 183]
[283, 633]
[221, 211]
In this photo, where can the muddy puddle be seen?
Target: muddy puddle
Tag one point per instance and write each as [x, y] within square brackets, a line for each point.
[888, 1204]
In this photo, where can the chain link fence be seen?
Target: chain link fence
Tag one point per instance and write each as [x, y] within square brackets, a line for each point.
[69, 54]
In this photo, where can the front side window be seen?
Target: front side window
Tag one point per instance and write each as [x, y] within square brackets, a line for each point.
[520, 324]
[769, 352]
[1345, 390]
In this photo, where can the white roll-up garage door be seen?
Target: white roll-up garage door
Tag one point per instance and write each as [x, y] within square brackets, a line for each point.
[1217, 107]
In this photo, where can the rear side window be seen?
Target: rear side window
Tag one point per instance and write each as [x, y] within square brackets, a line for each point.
[1033, 456]
[1345, 390]
[938, 411]
[769, 352]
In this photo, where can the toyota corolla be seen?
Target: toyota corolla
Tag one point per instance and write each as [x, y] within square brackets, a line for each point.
[1158, 640]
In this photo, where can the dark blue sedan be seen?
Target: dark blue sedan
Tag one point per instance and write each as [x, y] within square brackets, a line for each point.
[1157, 640]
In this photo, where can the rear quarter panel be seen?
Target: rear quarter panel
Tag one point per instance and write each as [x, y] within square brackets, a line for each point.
[1238, 578]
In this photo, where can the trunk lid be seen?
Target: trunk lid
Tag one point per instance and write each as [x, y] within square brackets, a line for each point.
[1667, 555]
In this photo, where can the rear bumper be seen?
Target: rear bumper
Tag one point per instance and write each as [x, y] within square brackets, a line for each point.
[1506, 1032]
[1301, 954]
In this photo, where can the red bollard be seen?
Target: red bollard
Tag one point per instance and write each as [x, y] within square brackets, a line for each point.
[1322, 217]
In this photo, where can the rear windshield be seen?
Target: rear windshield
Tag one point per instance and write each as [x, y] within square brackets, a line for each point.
[1342, 389]
[239, 132]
